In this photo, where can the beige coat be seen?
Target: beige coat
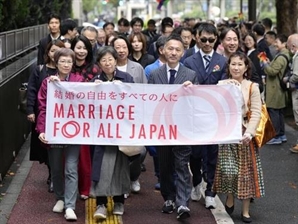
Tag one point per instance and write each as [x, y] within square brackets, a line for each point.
[256, 106]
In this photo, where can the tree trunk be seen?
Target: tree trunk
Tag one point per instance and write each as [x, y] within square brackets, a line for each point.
[286, 16]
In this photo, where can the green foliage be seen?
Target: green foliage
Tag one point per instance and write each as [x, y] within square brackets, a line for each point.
[16, 14]
[66, 9]
[231, 14]
[114, 3]
[194, 14]
[89, 5]
[271, 15]
[23, 12]
[196, 11]
[1, 14]
[9, 12]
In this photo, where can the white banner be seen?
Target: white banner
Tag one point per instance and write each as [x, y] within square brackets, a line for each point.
[142, 114]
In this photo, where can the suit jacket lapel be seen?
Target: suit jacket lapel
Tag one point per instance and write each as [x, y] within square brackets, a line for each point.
[202, 75]
[213, 62]
[129, 67]
[180, 76]
[200, 64]
[163, 75]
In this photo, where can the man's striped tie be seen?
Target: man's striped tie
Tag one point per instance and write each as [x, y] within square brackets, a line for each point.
[207, 59]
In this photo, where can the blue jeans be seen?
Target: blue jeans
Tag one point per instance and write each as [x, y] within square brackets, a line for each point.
[64, 170]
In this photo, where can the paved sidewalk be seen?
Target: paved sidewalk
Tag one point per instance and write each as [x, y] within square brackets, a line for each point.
[27, 201]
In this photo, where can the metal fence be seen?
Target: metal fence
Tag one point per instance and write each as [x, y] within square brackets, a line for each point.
[22, 43]
[16, 42]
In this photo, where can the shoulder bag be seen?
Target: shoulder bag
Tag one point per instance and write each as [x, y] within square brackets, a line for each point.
[23, 94]
[131, 150]
[265, 130]
[23, 98]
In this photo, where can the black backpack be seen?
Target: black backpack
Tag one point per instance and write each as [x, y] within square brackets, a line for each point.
[287, 73]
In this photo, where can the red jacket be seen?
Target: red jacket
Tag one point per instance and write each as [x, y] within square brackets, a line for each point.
[42, 101]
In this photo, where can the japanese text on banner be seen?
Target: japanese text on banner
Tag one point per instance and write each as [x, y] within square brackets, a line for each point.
[140, 114]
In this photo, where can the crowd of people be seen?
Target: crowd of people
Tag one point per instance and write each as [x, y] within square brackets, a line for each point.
[194, 53]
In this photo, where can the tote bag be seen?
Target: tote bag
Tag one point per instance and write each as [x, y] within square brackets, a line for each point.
[265, 130]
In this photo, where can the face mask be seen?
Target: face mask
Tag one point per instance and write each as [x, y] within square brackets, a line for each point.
[292, 52]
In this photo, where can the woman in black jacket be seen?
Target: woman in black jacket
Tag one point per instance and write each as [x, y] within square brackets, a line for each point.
[138, 53]
[250, 44]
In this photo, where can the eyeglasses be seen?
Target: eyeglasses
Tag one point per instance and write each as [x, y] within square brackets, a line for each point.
[65, 62]
[210, 40]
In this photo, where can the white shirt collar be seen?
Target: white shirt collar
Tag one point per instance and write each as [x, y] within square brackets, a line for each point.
[196, 48]
[250, 51]
[260, 39]
[55, 38]
[176, 68]
[203, 54]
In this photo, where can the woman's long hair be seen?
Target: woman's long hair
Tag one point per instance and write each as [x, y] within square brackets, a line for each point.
[89, 57]
[58, 43]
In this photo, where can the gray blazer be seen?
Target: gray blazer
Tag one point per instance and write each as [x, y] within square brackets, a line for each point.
[159, 76]
[136, 71]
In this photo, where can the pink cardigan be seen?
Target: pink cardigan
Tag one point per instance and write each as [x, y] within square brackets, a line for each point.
[42, 101]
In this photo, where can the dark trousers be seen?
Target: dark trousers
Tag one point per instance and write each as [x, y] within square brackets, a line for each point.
[277, 118]
[104, 200]
[135, 164]
[152, 152]
[199, 154]
[175, 159]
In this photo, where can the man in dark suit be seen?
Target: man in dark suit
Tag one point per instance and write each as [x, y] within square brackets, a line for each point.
[210, 68]
[54, 22]
[259, 30]
[194, 49]
[68, 31]
[166, 29]
[174, 158]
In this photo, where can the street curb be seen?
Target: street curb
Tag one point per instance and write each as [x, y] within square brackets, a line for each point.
[16, 184]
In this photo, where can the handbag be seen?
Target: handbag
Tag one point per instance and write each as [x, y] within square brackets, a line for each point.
[23, 98]
[131, 150]
[265, 130]
[24, 87]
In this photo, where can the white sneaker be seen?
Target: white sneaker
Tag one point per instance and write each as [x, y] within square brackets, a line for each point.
[70, 215]
[126, 196]
[183, 212]
[84, 197]
[196, 192]
[210, 202]
[59, 206]
[135, 186]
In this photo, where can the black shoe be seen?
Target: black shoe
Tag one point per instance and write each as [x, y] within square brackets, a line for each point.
[143, 167]
[246, 219]
[252, 200]
[229, 210]
[168, 207]
[183, 212]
